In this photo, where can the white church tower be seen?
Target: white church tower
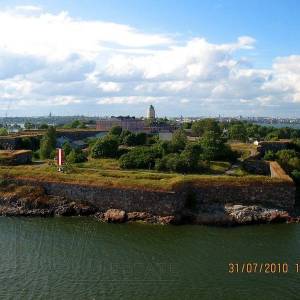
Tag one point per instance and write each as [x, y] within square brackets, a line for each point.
[151, 112]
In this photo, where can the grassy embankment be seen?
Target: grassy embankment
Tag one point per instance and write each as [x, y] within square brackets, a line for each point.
[245, 150]
[105, 172]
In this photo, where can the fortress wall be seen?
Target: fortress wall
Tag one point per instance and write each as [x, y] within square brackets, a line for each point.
[275, 192]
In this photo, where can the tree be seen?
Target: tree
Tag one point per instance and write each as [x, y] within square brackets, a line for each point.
[238, 132]
[43, 126]
[67, 147]
[179, 140]
[116, 130]
[201, 126]
[213, 146]
[46, 148]
[28, 125]
[105, 147]
[3, 131]
[48, 143]
[191, 155]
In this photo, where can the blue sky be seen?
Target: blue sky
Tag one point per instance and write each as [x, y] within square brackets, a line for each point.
[186, 57]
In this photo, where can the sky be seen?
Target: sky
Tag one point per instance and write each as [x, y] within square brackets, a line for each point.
[116, 57]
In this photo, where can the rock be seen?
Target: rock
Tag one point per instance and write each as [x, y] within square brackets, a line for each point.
[166, 220]
[65, 210]
[100, 216]
[138, 216]
[256, 214]
[115, 216]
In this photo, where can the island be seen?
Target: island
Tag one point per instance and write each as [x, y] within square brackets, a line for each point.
[206, 172]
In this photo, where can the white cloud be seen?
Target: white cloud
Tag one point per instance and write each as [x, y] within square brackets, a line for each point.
[109, 86]
[57, 36]
[56, 60]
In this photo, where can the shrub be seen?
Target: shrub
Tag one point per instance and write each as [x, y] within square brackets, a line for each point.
[76, 156]
[294, 163]
[30, 143]
[269, 155]
[129, 139]
[296, 176]
[116, 130]
[139, 158]
[141, 138]
[36, 154]
[283, 156]
[272, 136]
[105, 147]
[175, 162]
[123, 136]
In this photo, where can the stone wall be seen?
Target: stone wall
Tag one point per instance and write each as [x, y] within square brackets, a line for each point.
[275, 192]
[154, 202]
[74, 135]
[16, 157]
[255, 166]
[279, 194]
[274, 146]
[9, 143]
[15, 142]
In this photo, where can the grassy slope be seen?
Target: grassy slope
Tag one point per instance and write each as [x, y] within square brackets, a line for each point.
[105, 172]
[244, 149]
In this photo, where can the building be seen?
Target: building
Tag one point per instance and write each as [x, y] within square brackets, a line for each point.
[151, 112]
[127, 123]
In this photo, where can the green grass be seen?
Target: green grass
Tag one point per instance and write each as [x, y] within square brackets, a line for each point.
[145, 179]
[244, 149]
[219, 167]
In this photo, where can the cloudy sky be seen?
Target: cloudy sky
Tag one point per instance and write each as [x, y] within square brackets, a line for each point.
[117, 57]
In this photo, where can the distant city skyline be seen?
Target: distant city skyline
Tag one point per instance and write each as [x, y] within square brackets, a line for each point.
[193, 58]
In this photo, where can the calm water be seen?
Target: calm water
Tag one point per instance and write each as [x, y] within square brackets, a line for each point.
[73, 258]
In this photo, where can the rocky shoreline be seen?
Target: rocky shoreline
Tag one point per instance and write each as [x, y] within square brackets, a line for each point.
[29, 201]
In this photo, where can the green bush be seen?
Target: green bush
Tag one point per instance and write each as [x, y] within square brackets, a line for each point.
[105, 147]
[129, 139]
[76, 156]
[283, 156]
[36, 155]
[296, 176]
[116, 130]
[139, 158]
[269, 155]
